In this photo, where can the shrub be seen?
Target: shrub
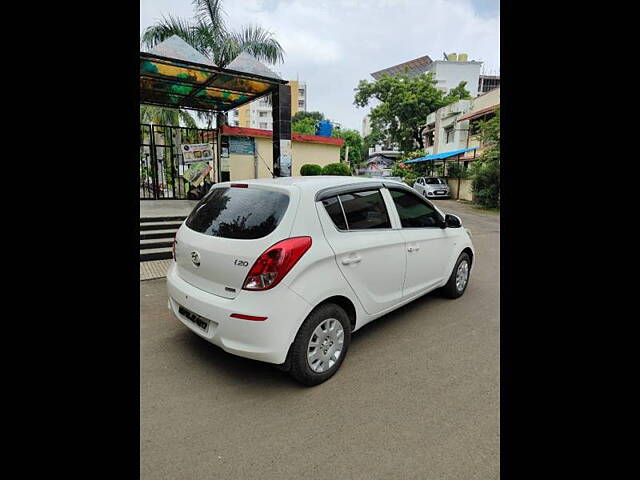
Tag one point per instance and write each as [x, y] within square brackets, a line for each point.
[410, 178]
[336, 169]
[486, 185]
[310, 169]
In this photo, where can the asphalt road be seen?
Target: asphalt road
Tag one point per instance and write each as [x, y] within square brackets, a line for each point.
[416, 398]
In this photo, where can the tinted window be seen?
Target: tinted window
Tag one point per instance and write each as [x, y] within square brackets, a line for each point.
[332, 206]
[365, 210]
[413, 211]
[244, 213]
[434, 181]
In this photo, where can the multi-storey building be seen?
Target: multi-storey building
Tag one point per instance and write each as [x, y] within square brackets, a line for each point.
[448, 73]
[455, 127]
[258, 114]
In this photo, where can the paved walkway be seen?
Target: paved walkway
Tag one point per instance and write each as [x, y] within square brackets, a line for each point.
[166, 208]
[154, 269]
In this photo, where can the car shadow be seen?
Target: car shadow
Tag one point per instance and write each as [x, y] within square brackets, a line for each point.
[394, 319]
[263, 376]
[232, 367]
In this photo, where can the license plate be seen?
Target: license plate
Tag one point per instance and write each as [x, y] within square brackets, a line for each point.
[194, 318]
[440, 192]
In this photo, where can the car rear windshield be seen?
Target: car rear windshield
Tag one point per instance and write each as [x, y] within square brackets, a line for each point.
[434, 181]
[242, 213]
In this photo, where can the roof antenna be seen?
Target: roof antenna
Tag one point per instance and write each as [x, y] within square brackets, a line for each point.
[445, 56]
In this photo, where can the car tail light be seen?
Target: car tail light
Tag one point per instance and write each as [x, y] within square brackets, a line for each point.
[272, 266]
[175, 240]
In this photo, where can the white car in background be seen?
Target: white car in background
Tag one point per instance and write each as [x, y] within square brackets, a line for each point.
[285, 270]
[432, 187]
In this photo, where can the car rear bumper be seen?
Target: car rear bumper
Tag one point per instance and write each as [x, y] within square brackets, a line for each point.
[267, 340]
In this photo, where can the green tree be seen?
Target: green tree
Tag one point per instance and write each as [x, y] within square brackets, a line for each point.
[317, 116]
[208, 33]
[166, 116]
[405, 102]
[306, 125]
[485, 170]
[458, 93]
[352, 139]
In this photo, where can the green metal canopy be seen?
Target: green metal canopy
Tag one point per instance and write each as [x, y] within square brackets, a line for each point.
[175, 75]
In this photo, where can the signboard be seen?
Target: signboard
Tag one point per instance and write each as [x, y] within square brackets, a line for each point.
[196, 173]
[242, 145]
[197, 152]
[285, 158]
[224, 164]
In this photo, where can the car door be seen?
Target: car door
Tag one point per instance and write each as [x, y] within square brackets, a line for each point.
[369, 252]
[428, 247]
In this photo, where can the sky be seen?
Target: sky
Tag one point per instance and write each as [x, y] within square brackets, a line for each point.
[333, 44]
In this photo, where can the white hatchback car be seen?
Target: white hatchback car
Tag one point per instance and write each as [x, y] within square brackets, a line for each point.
[432, 187]
[285, 270]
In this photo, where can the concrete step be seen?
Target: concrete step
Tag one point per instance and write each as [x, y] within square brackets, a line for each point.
[159, 226]
[156, 254]
[162, 219]
[156, 243]
[158, 234]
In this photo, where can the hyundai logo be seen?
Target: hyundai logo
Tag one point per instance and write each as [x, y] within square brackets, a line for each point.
[195, 259]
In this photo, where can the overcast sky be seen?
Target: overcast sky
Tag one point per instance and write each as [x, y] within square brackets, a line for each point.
[332, 44]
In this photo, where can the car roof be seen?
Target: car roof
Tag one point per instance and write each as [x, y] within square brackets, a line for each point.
[313, 183]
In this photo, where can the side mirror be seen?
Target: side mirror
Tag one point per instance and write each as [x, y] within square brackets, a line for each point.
[451, 221]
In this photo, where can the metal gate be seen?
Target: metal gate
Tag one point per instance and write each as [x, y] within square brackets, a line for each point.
[161, 162]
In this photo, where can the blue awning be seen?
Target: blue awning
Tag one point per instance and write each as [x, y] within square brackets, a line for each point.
[439, 156]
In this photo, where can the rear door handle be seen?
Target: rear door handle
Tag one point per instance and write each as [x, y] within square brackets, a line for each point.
[413, 248]
[350, 260]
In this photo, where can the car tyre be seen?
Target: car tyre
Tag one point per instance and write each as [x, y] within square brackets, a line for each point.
[324, 326]
[454, 287]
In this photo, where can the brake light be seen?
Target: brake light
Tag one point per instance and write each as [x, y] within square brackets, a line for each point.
[272, 266]
[239, 185]
[175, 240]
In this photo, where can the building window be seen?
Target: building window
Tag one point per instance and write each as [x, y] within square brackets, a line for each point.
[428, 138]
[263, 125]
[301, 92]
[448, 134]
[263, 114]
[301, 103]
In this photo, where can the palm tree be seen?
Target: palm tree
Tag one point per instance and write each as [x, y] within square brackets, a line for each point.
[166, 116]
[208, 34]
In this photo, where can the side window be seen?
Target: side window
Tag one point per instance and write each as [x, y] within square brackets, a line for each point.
[413, 212]
[332, 206]
[365, 210]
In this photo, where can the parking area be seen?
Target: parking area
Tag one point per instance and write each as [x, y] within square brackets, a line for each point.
[416, 398]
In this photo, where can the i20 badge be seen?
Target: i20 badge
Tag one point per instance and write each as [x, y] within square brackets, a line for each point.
[195, 259]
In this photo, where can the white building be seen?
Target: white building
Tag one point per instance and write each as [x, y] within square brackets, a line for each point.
[448, 73]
